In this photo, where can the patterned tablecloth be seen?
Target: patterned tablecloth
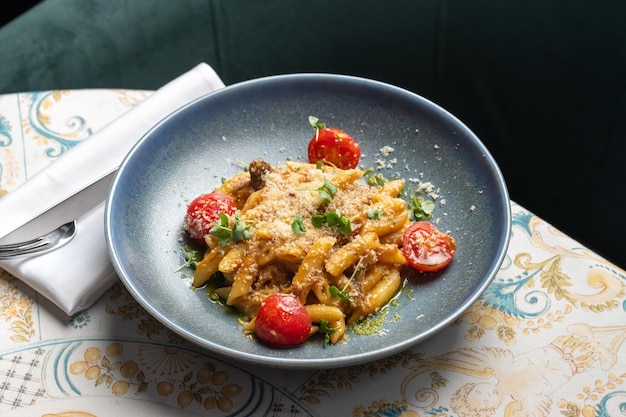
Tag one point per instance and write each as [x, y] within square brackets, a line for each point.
[546, 339]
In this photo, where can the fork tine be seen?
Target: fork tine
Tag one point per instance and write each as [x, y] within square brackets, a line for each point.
[15, 246]
[49, 241]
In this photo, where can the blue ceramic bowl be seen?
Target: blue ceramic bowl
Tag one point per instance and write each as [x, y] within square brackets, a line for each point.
[189, 152]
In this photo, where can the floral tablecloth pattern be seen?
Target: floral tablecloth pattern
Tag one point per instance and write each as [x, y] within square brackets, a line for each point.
[545, 339]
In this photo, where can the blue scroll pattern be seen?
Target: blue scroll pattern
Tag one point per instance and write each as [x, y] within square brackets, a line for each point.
[60, 140]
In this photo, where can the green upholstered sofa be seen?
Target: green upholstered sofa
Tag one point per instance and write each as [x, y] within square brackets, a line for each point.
[542, 83]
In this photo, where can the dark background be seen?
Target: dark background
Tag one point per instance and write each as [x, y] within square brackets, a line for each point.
[17, 8]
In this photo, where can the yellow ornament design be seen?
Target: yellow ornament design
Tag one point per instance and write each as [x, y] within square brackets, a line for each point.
[16, 308]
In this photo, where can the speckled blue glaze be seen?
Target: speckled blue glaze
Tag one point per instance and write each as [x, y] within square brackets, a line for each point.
[190, 151]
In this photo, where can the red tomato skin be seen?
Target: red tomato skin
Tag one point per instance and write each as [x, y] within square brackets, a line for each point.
[205, 210]
[426, 248]
[282, 321]
[334, 146]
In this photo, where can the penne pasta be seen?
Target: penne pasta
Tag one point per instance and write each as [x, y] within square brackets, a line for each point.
[339, 327]
[342, 266]
[244, 278]
[391, 254]
[387, 225]
[382, 292]
[390, 189]
[311, 270]
[324, 312]
[208, 266]
[231, 262]
[349, 254]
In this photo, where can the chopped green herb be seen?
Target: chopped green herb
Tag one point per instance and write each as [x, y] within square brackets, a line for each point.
[191, 256]
[333, 219]
[298, 226]
[315, 123]
[336, 293]
[326, 331]
[318, 220]
[319, 164]
[418, 208]
[240, 231]
[375, 179]
[375, 213]
[245, 167]
[328, 190]
[220, 230]
[224, 233]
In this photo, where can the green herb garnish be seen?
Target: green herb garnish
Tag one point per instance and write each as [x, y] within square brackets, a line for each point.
[343, 294]
[375, 179]
[315, 123]
[336, 293]
[191, 256]
[244, 166]
[326, 331]
[375, 214]
[333, 219]
[327, 190]
[418, 208]
[225, 233]
[298, 226]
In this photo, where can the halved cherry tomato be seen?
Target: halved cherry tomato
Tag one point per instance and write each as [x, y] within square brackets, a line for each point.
[426, 248]
[282, 321]
[335, 147]
[205, 210]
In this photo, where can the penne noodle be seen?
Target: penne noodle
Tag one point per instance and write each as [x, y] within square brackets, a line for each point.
[323, 312]
[208, 266]
[231, 262]
[340, 329]
[382, 292]
[313, 262]
[391, 254]
[346, 177]
[395, 238]
[390, 189]
[321, 289]
[242, 284]
[266, 254]
[238, 188]
[386, 288]
[387, 225]
[250, 326]
[372, 276]
[349, 254]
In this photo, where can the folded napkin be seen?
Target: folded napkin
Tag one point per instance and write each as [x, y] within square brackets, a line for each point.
[74, 276]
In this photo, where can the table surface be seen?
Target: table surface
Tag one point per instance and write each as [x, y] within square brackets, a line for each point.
[546, 338]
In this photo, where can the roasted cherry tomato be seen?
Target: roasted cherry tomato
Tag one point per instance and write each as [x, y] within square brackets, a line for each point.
[426, 248]
[334, 147]
[205, 210]
[282, 321]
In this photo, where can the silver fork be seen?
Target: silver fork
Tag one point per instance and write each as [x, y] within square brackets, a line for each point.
[53, 240]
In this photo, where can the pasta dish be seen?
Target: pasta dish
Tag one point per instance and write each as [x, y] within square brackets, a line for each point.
[315, 231]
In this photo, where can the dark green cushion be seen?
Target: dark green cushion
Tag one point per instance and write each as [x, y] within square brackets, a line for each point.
[540, 82]
[83, 44]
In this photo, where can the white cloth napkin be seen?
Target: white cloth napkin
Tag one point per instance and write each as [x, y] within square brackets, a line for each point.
[75, 275]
